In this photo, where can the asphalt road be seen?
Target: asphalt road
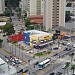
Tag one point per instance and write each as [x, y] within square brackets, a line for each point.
[6, 46]
[26, 56]
[18, 23]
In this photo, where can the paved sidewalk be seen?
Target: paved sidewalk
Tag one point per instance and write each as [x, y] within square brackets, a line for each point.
[11, 71]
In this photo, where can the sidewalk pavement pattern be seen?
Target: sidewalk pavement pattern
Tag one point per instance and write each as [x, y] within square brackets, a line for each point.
[10, 71]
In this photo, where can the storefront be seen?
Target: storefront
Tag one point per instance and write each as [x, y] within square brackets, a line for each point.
[37, 38]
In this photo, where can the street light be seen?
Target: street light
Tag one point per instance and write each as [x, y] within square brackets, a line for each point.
[22, 53]
[19, 49]
[15, 49]
[10, 48]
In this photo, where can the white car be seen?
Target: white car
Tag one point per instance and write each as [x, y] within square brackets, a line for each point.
[64, 66]
[73, 45]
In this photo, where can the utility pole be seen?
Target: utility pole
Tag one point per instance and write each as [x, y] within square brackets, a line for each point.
[15, 49]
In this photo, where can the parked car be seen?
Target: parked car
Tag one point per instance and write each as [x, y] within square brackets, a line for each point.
[55, 48]
[25, 71]
[67, 49]
[73, 45]
[16, 62]
[55, 54]
[64, 66]
[36, 63]
[64, 43]
[6, 60]
[52, 73]
[58, 73]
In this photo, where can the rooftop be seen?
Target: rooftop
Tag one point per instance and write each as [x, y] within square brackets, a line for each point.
[2, 23]
[37, 33]
[2, 62]
[36, 19]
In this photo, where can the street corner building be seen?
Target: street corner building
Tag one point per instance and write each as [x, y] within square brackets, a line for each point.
[36, 38]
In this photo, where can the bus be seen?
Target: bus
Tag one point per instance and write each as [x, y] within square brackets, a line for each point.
[44, 63]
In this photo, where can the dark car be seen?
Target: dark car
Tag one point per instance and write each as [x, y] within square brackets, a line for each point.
[64, 43]
[58, 73]
[52, 73]
[55, 48]
[55, 54]
[67, 49]
[36, 63]
[16, 62]
[25, 71]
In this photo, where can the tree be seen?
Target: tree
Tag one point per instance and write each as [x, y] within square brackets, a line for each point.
[67, 66]
[27, 22]
[18, 10]
[12, 3]
[8, 12]
[71, 55]
[1, 27]
[67, 16]
[8, 29]
[55, 36]
[68, 4]
[73, 68]
[1, 42]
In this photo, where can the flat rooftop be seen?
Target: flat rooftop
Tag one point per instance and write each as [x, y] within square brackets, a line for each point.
[2, 62]
[2, 23]
[37, 33]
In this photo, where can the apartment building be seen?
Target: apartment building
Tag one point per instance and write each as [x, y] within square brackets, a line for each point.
[72, 6]
[24, 5]
[2, 6]
[54, 13]
[33, 7]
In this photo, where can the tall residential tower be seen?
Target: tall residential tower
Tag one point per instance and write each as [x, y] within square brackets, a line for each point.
[33, 7]
[2, 6]
[54, 13]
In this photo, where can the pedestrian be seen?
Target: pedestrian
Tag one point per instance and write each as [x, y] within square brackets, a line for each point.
[34, 66]
[33, 56]
[53, 66]
[29, 73]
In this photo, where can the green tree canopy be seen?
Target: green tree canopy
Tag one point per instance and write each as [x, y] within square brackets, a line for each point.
[8, 29]
[12, 3]
[8, 12]
[1, 42]
[27, 22]
[68, 4]
[67, 16]
[73, 67]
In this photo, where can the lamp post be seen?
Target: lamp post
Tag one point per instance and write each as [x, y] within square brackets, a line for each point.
[19, 50]
[22, 53]
[10, 48]
[15, 49]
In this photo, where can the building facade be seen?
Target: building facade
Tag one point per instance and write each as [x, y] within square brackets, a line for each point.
[36, 38]
[72, 5]
[24, 5]
[2, 6]
[54, 13]
[32, 7]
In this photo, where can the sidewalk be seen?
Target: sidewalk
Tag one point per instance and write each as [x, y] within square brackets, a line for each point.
[11, 71]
